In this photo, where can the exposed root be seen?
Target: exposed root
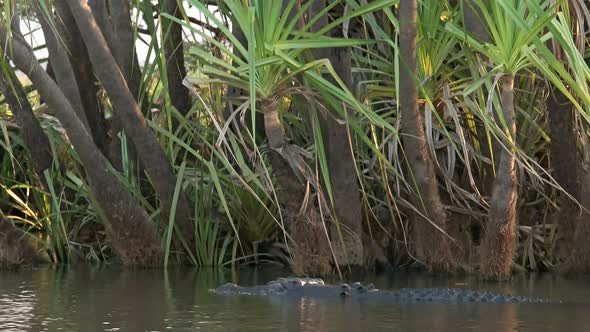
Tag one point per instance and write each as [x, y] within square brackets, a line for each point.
[348, 248]
[311, 252]
[579, 260]
[433, 247]
[567, 216]
[497, 251]
[136, 243]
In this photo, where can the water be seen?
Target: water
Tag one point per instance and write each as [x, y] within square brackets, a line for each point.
[111, 299]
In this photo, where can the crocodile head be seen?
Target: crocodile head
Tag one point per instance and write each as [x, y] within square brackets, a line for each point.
[285, 284]
[356, 289]
[360, 288]
[228, 288]
[297, 282]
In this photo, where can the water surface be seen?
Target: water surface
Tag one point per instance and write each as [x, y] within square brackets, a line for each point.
[112, 299]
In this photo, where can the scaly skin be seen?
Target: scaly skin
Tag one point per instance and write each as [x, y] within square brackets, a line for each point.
[316, 288]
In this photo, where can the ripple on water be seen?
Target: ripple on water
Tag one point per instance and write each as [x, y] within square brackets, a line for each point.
[16, 309]
[114, 300]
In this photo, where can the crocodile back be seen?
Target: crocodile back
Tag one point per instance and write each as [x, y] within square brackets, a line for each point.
[458, 295]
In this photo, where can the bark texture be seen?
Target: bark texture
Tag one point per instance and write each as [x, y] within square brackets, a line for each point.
[310, 250]
[150, 153]
[174, 53]
[132, 235]
[104, 23]
[60, 63]
[565, 167]
[347, 236]
[34, 137]
[497, 247]
[574, 224]
[579, 260]
[124, 44]
[85, 79]
[474, 21]
[432, 246]
[475, 24]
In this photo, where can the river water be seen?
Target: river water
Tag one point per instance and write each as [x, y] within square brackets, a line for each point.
[112, 299]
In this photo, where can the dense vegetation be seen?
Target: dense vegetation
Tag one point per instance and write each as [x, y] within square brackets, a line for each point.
[450, 135]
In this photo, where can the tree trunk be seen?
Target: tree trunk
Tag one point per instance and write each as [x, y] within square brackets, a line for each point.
[497, 248]
[475, 24]
[157, 166]
[34, 137]
[565, 167]
[432, 246]
[574, 225]
[474, 21]
[132, 235]
[347, 234]
[124, 44]
[86, 82]
[100, 9]
[60, 63]
[123, 55]
[174, 53]
[124, 50]
[232, 92]
[103, 20]
[579, 259]
[310, 252]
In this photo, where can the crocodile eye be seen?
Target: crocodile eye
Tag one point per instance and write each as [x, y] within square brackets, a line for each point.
[292, 282]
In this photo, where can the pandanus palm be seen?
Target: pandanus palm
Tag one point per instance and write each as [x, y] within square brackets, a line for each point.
[420, 73]
[509, 53]
[268, 67]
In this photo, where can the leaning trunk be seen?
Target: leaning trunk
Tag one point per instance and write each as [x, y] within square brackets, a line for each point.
[150, 152]
[60, 63]
[103, 23]
[87, 86]
[432, 246]
[497, 248]
[124, 44]
[34, 137]
[132, 234]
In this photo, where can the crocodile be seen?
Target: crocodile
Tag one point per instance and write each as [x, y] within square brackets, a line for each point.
[317, 288]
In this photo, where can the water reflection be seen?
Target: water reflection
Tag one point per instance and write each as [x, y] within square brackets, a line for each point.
[16, 306]
[110, 299]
